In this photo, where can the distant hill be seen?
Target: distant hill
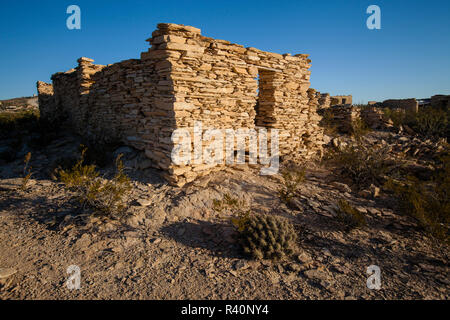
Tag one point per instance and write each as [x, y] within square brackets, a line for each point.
[19, 103]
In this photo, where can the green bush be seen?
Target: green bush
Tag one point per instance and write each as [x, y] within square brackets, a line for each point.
[265, 236]
[104, 196]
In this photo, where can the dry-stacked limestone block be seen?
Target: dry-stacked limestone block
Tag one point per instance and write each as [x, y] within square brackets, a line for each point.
[344, 116]
[46, 100]
[374, 117]
[186, 79]
[324, 101]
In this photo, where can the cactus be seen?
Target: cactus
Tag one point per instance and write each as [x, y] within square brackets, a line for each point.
[265, 236]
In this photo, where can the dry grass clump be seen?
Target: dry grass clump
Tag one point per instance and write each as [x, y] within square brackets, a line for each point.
[104, 196]
[349, 216]
[292, 178]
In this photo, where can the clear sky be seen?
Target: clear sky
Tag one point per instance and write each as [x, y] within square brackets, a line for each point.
[408, 57]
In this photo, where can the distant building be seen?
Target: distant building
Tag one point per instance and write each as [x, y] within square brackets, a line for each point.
[338, 100]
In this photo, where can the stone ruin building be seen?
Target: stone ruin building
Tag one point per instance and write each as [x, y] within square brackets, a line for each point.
[410, 105]
[186, 77]
[338, 100]
[438, 101]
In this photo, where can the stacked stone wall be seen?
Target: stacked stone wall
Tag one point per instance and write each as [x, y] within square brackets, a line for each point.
[184, 79]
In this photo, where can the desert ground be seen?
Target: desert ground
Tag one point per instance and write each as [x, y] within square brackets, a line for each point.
[171, 243]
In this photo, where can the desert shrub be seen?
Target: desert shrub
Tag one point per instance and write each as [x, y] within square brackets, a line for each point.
[63, 163]
[292, 177]
[26, 172]
[265, 236]
[12, 121]
[359, 128]
[427, 201]
[362, 164]
[349, 216]
[328, 123]
[229, 205]
[430, 122]
[397, 116]
[104, 196]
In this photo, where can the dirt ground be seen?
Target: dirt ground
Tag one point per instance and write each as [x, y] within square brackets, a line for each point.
[173, 245]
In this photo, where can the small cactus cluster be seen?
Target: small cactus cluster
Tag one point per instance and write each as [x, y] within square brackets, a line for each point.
[266, 237]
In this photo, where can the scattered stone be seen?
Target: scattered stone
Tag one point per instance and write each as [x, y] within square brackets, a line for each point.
[304, 257]
[341, 187]
[241, 265]
[144, 202]
[374, 190]
[316, 274]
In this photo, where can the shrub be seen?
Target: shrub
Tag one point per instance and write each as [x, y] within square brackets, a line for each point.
[328, 122]
[363, 164]
[62, 164]
[349, 216]
[292, 177]
[397, 116]
[430, 122]
[26, 172]
[359, 128]
[427, 201]
[106, 197]
[265, 236]
[12, 121]
[228, 203]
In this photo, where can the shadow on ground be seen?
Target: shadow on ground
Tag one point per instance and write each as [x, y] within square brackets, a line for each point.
[218, 238]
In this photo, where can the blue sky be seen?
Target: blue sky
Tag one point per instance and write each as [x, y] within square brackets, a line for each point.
[408, 57]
